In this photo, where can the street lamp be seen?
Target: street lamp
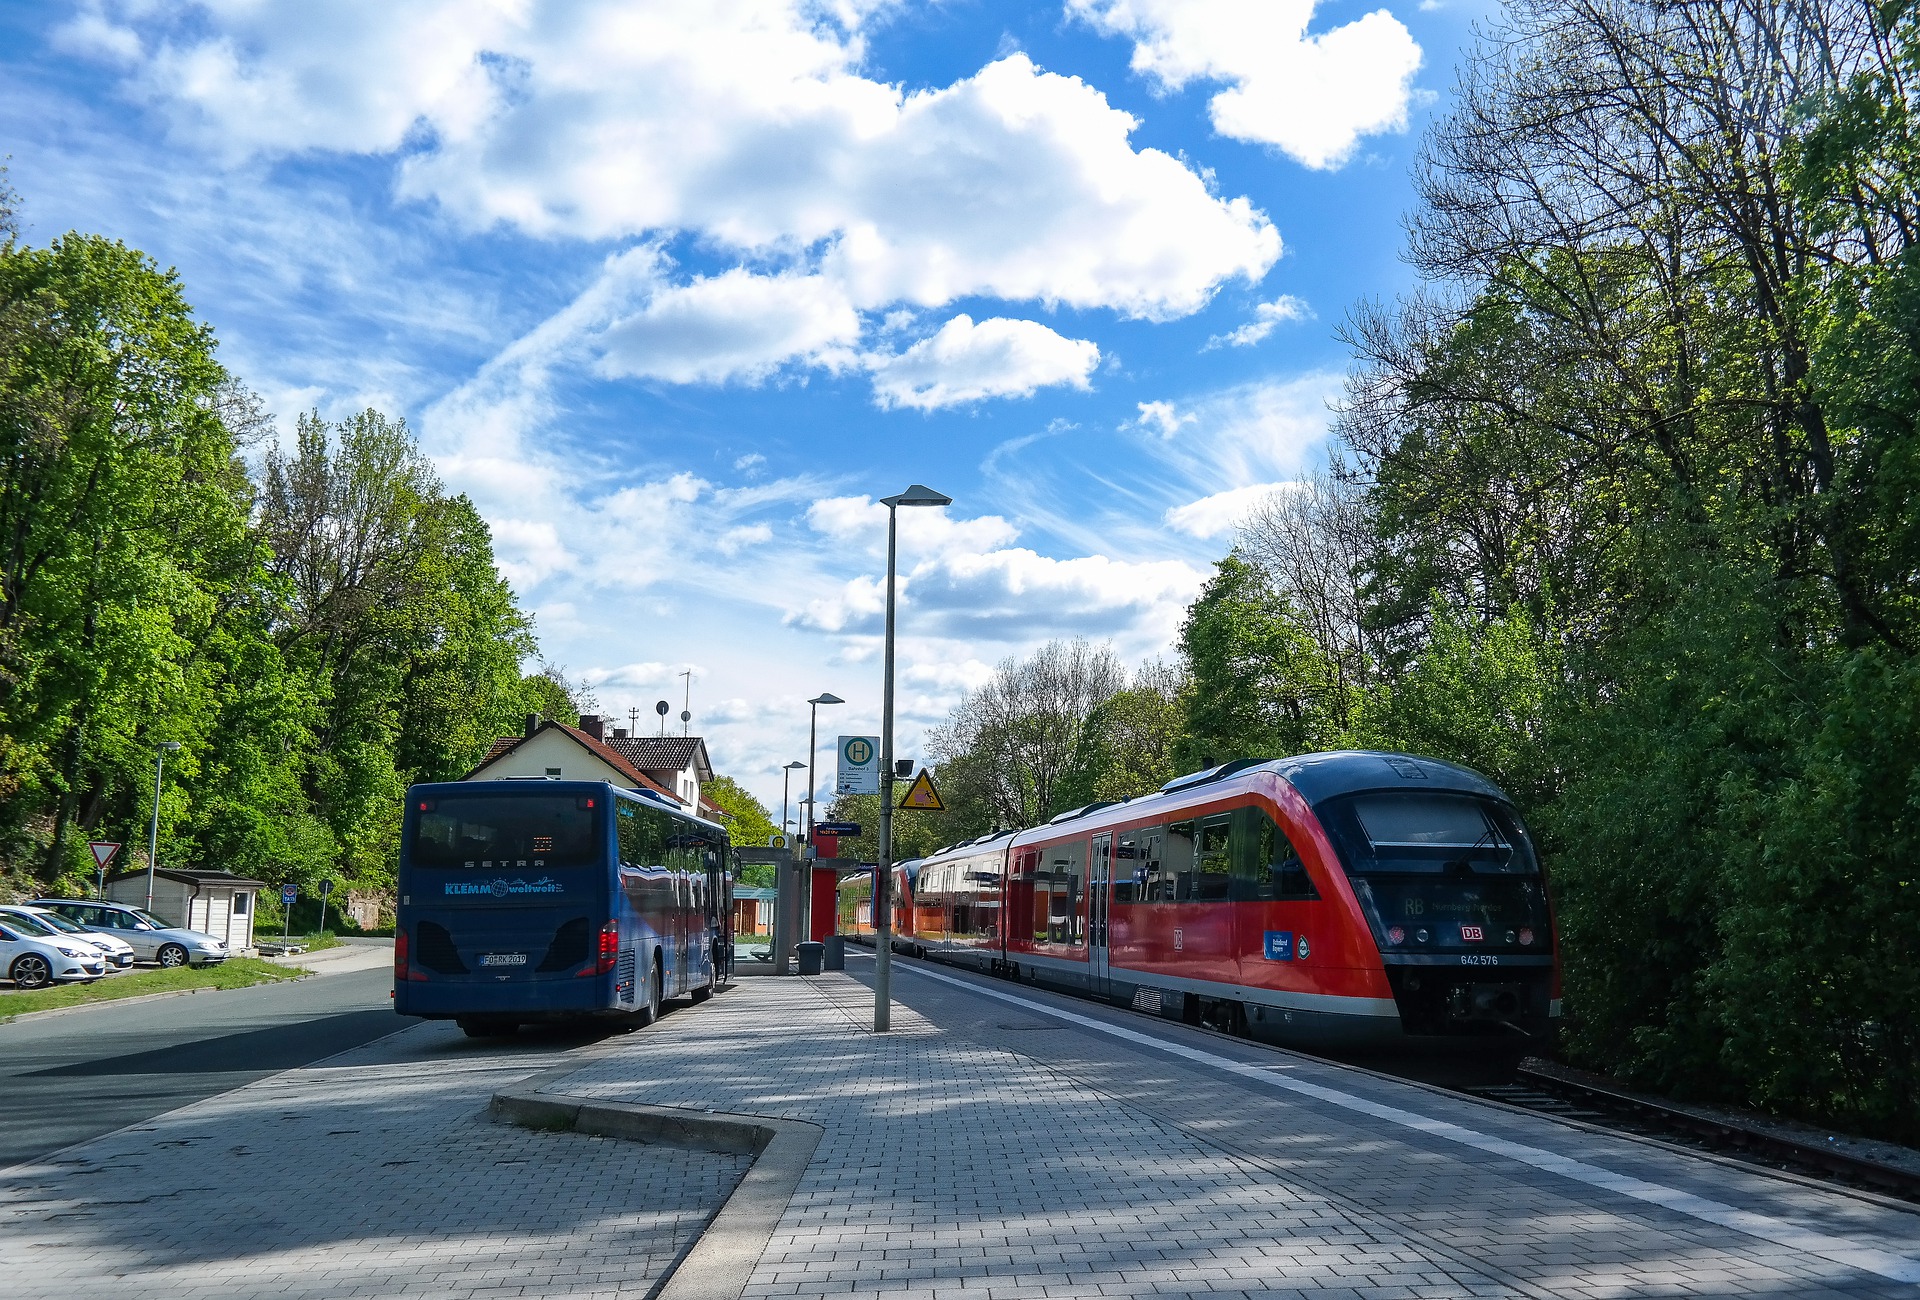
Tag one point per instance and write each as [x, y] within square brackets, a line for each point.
[153, 833]
[786, 775]
[883, 869]
[813, 722]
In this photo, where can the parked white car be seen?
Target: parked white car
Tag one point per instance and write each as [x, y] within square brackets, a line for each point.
[152, 938]
[33, 961]
[116, 952]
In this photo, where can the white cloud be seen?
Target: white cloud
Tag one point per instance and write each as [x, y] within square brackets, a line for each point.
[1163, 418]
[965, 362]
[736, 325]
[1221, 513]
[1311, 96]
[749, 463]
[746, 124]
[736, 540]
[1267, 316]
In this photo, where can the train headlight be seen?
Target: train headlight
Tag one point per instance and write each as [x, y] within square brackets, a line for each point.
[1420, 935]
[1526, 938]
[1396, 935]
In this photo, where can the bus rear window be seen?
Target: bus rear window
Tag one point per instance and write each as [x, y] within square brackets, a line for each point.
[492, 833]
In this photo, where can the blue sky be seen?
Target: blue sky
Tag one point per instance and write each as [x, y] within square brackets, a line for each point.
[676, 290]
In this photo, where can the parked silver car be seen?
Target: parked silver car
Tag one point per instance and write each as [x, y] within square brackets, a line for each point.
[33, 956]
[152, 938]
[116, 952]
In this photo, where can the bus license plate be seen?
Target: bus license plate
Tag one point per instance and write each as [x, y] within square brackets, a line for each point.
[503, 959]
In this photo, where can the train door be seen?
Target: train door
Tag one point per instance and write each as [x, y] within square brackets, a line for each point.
[1098, 872]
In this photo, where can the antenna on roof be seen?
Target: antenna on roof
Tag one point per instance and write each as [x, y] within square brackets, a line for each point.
[660, 707]
[686, 704]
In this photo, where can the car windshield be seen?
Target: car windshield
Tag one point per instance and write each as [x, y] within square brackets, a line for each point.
[29, 923]
[58, 922]
[144, 920]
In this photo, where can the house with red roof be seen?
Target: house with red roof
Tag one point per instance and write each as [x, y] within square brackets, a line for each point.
[551, 749]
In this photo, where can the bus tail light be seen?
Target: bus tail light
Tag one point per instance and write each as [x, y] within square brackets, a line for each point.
[609, 951]
[403, 970]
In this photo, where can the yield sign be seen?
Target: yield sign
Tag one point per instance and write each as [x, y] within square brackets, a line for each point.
[102, 851]
[921, 794]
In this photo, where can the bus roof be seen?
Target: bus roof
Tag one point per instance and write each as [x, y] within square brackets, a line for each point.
[515, 788]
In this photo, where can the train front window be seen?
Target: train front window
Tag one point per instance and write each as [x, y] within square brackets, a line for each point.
[493, 833]
[1438, 834]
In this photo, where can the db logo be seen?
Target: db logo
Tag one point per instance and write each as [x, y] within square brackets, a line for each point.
[1471, 932]
[1179, 940]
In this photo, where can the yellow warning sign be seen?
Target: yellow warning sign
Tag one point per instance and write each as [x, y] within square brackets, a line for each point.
[921, 794]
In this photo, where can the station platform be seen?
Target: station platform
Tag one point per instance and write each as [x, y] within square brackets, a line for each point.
[1000, 1143]
[1004, 1142]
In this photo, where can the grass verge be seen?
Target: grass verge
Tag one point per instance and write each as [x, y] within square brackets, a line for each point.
[234, 973]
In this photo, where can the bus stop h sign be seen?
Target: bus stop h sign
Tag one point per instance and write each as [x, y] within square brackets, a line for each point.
[859, 765]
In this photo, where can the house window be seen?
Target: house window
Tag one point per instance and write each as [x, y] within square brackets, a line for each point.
[553, 772]
[240, 904]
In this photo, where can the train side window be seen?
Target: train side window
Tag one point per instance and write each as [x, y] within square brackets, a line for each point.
[1212, 874]
[1065, 867]
[1136, 867]
[1266, 863]
[1176, 864]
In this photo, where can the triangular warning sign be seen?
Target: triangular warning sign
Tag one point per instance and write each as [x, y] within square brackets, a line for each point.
[922, 795]
[103, 852]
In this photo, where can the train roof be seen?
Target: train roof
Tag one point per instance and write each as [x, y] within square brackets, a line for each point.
[1351, 771]
[1317, 777]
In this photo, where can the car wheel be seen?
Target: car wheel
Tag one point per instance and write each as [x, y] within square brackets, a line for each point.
[172, 955]
[32, 971]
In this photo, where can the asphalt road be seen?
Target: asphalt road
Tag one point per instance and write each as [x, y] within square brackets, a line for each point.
[72, 1077]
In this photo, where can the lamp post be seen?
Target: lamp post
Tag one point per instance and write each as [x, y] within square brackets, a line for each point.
[153, 832]
[786, 775]
[883, 869]
[813, 726]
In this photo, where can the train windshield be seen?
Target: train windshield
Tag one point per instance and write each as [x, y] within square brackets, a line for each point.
[1441, 871]
[494, 832]
[1428, 834]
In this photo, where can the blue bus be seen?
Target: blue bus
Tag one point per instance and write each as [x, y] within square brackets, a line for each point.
[539, 900]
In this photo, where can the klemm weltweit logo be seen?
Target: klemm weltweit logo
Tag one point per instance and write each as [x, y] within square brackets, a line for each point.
[499, 887]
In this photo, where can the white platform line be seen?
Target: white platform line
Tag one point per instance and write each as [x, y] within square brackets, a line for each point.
[1841, 1250]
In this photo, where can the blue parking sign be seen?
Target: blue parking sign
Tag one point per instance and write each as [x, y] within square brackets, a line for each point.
[1279, 945]
[288, 893]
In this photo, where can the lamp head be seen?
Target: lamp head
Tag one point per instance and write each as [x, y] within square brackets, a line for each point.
[826, 697]
[169, 745]
[795, 766]
[917, 495]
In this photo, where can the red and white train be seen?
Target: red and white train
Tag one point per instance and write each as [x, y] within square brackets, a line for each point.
[1338, 899]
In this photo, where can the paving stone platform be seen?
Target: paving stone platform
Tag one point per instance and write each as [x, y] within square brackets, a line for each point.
[375, 1173]
[1001, 1143]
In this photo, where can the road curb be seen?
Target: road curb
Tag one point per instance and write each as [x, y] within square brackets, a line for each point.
[716, 1264]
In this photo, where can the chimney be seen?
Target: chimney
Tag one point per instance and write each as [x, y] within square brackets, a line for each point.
[619, 733]
[533, 723]
[592, 725]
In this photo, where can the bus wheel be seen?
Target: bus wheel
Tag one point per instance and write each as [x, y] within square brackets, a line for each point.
[649, 1011]
[474, 1028]
[705, 991]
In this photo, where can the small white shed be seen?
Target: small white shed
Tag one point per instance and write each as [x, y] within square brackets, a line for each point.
[218, 903]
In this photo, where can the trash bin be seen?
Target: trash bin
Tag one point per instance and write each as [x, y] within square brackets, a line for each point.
[810, 955]
[836, 952]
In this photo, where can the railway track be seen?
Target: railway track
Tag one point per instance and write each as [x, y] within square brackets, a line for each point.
[1563, 1098]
